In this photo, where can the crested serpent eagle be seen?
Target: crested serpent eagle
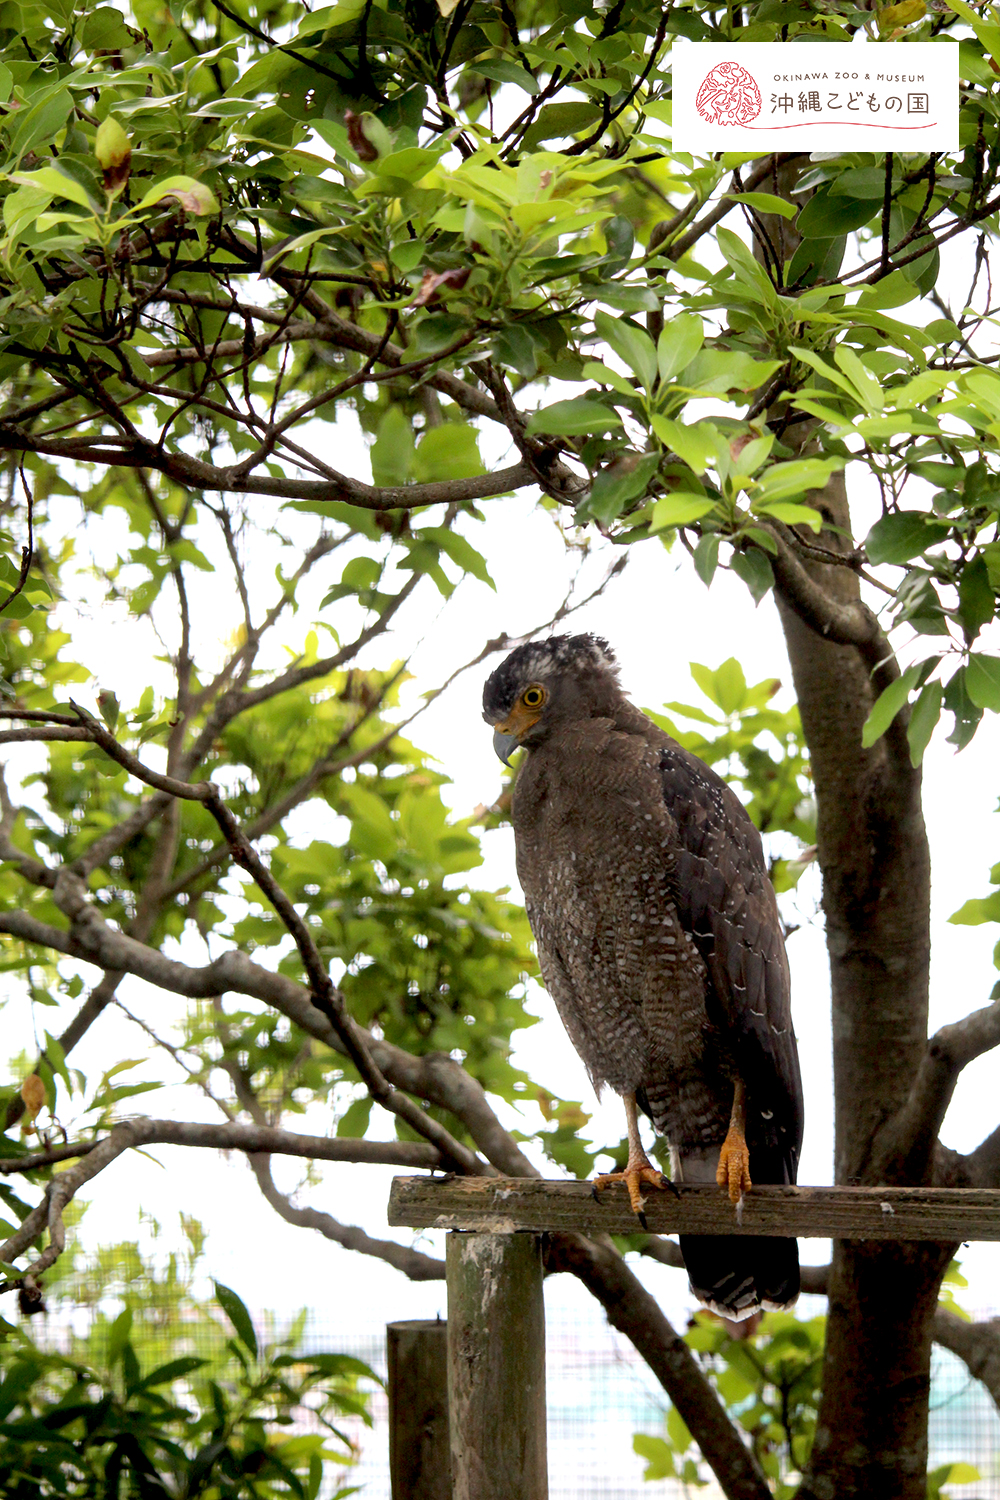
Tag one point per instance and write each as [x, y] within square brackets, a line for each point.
[660, 942]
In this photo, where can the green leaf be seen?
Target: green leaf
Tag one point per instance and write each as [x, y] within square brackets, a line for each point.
[960, 1473]
[767, 203]
[982, 681]
[631, 345]
[790, 513]
[560, 120]
[826, 217]
[697, 446]
[975, 912]
[902, 535]
[793, 479]
[863, 381]
[437, 332]
[573, 418]
[754, 567]
[450, 451]
[894, 290]
[191, 194]
[967, 714]
[237, 1314]
[679, 510]
[923, 718]
[618, 486]
[706, 557]
[619, 236]
[118, 1335]
[678, 344]
[409, 165]
[56, 1058]
[887, 705]
[626, 297]
[517, 349]
[175, 1369]
[499, 70]
[860, 182]
[715, 371]
[392, 450]
[677, 1430]
[373, 832]
[460, 550]
[39, 123]
[726, 686]
[360, 575]
[112, 146]
[747, 271]
[354, 1121]
[976, 602]
[602, 375]
[58, 184]
[659, 1459]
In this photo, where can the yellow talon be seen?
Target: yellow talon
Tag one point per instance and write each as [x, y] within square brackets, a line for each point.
[634, 1176]
[733, 1171]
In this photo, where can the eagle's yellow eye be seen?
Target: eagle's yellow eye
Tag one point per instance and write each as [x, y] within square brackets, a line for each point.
[533, 697]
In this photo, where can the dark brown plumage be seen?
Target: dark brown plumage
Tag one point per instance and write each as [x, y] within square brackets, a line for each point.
[659, 940]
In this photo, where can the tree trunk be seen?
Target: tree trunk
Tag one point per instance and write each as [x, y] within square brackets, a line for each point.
[872, 1432]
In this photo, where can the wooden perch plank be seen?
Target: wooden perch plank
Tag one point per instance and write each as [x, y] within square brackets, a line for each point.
[505, 1205]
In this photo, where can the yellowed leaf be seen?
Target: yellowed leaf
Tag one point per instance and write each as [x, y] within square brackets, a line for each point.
[893, 17]
[33, 1094]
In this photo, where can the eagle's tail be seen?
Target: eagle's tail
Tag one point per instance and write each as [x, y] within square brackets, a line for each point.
[738, 1276]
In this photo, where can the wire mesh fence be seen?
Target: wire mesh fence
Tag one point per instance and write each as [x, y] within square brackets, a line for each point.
[599, 1394]
[964, 1426]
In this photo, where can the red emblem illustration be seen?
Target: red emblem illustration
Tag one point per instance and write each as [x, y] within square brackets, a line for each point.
[728, 96]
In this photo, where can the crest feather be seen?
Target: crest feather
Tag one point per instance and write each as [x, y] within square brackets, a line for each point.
[539, 659]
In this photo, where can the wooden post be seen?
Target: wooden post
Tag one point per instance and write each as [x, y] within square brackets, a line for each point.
[419, 1446]
[496, 1367]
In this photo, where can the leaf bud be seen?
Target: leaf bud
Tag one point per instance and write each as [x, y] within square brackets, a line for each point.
[114, 153]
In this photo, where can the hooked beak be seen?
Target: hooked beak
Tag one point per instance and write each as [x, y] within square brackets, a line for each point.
[504, 745]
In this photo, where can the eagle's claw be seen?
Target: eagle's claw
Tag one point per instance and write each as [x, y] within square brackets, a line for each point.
[733, 1171]
[635, 1176]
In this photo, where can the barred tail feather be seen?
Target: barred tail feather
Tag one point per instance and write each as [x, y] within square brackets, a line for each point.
[738, 1276]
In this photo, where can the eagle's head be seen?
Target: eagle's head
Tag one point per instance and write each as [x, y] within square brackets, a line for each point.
[543, 683]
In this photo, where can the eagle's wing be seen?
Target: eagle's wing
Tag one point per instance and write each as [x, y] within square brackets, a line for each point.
[725, 900]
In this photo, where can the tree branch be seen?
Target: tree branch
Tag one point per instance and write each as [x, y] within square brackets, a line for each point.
[842, 624]
[983, 1164]
[414, 1264]
[236, 1136]
[329, 1000]
[976, 1344]
[904, 1151]
[135, 452]
[131, 1133]
[435, 1077]
[763, 170]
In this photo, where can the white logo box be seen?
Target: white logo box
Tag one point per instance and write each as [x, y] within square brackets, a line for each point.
[815, 96]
